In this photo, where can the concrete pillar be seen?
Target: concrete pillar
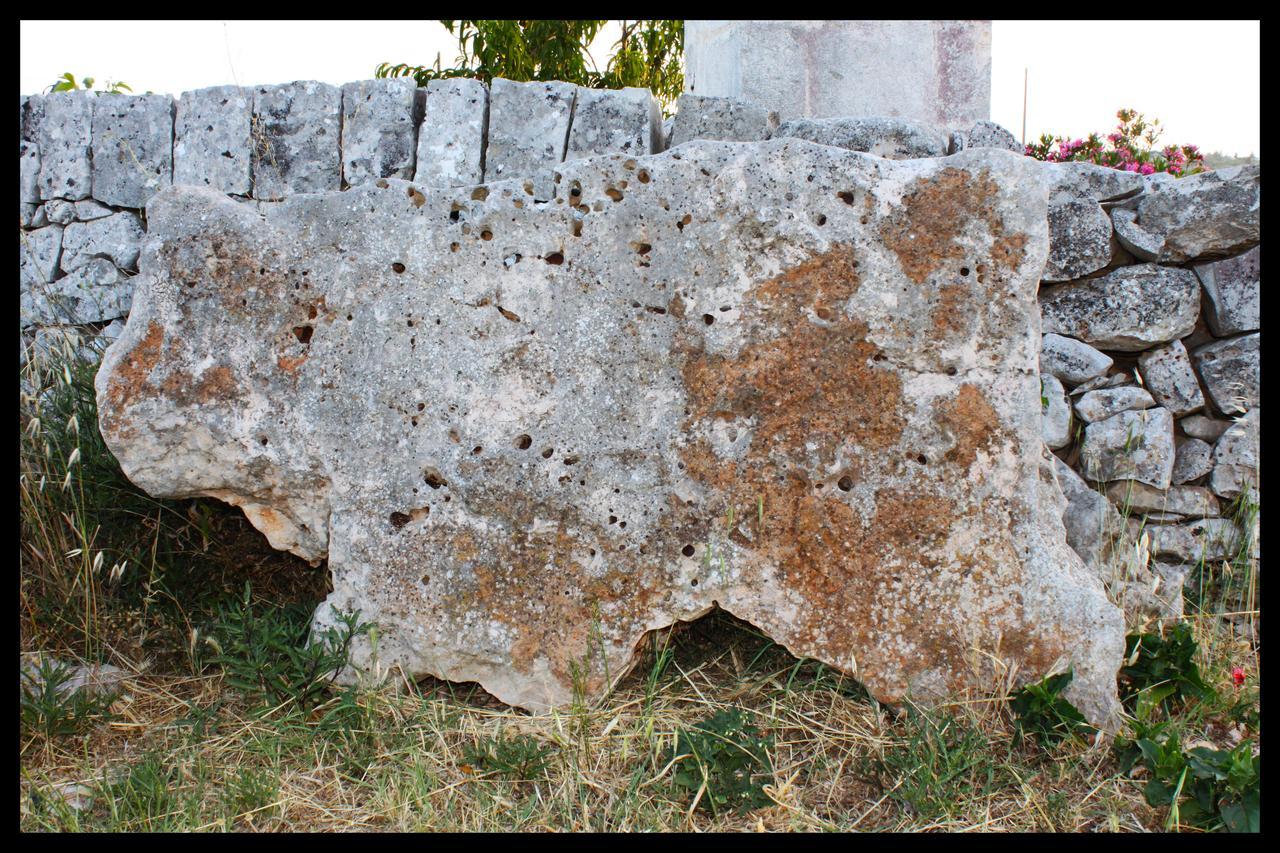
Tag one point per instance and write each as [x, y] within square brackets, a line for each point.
[934, 71]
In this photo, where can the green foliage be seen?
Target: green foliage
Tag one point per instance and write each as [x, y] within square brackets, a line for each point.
[67, 83]
[648, 53]
[1160, 670]
[1042, 711]
[266, 656]
[1203, 787]
[724, 758]
[519, 758]
[50, 706]
[937, 765]
[251, 791]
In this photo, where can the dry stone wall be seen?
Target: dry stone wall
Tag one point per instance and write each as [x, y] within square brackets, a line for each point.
[1149, 296]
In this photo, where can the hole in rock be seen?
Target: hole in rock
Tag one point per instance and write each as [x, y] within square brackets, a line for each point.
[523, 441]
[303, 333]
[480, 193]
[399, 519]
[964, 270]
[845, 196]
[687, 550]
[821, 219]
[554, 258]
[613, 193]
[486, 235]
[845, 483]
[434, 478]
[572, 459]
[546, 453]
[708, 319]
[477, 450]
[922, 459]
[397, 267]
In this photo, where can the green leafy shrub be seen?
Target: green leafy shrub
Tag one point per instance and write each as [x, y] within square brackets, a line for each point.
[519, 758]
[1162, 670]
[68, 83]
[726, 759]
[49, 706]
[266, 656]
[1042, 711]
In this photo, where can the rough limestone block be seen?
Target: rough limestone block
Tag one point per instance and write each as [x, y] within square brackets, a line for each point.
[1194, 459]
[1092, 523]
[30, 114]
[1130, 309]
[482, 486]
[60, 211]
[728, 119]
[1206, 539]
[132, 148]
[1166, 372]
[1235, 458]
[92, 293]
[451, 138]
[1098, 405]
[38, 254]
[1130, 446]
[1188, 501]
[1076, 180]
[31, 215]
[1204, 428]
[1231, 372]
[528, 129]
[891, 138]
[934, 71]
[984, 134]
[379, 129]
[117, 237]
[295, 139]
[615, 121]
[28, 172]
[1056, 412]
[1072, 361]
[88, 210]
[1231, 289]
[212, 144]
[65, 135]
[1079, 240]
[1206, 216]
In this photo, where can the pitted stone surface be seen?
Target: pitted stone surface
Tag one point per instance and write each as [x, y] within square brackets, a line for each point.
[1166, 372]
[1130, 309]
[212, 144]
[1205, 216]
[451, 138]
[1056, 414]
[1079, 240]
[1072, 361]
[1231, 372]
[528, 130]
[1231, 289]
[379, 129]
[888, 137]
[64, 132]
[295, 138]
[849, 456]
[727, 119]
[118, 237]
[132, 148]
[1130, 446]
[614, 121]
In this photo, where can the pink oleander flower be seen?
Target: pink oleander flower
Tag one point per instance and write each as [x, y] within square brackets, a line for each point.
[1146, 169]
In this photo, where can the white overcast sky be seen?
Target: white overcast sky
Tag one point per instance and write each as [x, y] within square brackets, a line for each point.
[1200, 78]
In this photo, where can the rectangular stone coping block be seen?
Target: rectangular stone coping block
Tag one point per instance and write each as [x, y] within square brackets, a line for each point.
[614, 121]
[451, 141]
[296, 139]
[480, 408]
[379, 129]
[934, 71]
[65, 136]
[132, 148]
[528, 131]
[212, 142]
[724, 118]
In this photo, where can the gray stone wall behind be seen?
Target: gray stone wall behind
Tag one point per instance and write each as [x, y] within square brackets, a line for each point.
[1149, 300]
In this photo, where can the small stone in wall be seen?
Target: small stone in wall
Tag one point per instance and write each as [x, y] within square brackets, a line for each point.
[452, 136]
[727, 119]
[38, 254]
[1194, 459]
[28, 172]
[614, 121]
[889, 137]
[212, 144]
[1193, 541]
[1130, 309]
[1235, 458]
[1130, 446]
[1072, 361]
[1091, 522]
[60, 211]
[1201, 217]
[117, 237]
[295, 139]
[379, 129]
[1230, 371]
[1088, 181]
[1132, 496]
[1166, 372]
[1055, 426]
[528, 128]
[91, 293]
[1079, 240]
[1105, 402]
[1204, 427]
[984, 134]
[88, 210]
[65, 136]
[1231, 289]
[132, 148]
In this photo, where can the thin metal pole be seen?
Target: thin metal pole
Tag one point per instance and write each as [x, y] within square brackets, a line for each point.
[1024, 106]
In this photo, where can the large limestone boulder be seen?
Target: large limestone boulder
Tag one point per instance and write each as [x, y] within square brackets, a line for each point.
[1205, 216]
[794, 381]
[1130, 309]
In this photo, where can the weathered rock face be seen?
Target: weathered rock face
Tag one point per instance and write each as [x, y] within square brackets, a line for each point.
[1210, 215]
[795, 381]
[1129, 310]
[888, 137]
[1079, 240]
[728, 119]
